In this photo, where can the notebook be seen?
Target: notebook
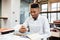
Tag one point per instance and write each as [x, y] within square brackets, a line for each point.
[31, 36]
[6, 30]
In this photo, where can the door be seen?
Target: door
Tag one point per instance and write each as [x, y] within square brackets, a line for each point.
[0, 13]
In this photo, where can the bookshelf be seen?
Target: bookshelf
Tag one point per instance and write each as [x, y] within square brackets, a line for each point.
[3, 17]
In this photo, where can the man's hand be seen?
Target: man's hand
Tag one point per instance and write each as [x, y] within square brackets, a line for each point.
[22, 29]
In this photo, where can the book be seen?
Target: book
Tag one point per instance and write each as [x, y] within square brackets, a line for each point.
[33, 36]
[6, 30]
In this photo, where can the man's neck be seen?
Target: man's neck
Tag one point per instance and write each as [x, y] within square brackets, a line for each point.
[35, 19]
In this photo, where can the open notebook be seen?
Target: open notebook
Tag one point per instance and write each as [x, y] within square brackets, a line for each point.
[33, 36]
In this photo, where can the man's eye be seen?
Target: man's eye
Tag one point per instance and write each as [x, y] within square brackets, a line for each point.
[32, 11]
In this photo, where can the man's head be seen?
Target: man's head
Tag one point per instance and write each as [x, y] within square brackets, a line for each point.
[34, 10]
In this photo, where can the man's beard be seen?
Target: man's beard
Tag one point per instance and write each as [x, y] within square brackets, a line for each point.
[35, 18]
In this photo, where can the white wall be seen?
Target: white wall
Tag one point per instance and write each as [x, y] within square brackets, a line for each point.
[10, 9]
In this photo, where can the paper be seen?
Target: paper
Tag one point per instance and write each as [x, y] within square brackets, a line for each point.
[12, 37]
[33, 36]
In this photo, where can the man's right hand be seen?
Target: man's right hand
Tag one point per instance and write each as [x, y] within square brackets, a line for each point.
[22, 29]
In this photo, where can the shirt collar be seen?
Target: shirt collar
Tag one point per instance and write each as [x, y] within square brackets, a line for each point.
[37, 18]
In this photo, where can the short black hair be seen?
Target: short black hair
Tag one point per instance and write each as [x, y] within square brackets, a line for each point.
[34, 5]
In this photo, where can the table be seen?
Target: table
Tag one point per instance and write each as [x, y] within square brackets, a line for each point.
[55, 32]
[11, 37]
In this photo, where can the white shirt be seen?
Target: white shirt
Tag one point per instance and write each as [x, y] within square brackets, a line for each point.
[39, 26]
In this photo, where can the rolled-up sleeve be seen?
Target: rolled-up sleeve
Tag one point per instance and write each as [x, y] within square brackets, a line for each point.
[26, 24]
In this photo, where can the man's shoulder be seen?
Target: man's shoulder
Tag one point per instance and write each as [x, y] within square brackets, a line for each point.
[43, 17]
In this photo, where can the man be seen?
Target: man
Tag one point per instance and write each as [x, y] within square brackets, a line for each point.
[36, 23]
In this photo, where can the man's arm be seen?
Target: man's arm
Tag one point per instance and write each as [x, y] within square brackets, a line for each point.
[24, 28]
[26, 22]
[46, 29]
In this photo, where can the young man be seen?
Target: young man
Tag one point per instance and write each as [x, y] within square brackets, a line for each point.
[37, 23]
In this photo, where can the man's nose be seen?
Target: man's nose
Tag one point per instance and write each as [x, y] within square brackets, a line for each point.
[33, 13]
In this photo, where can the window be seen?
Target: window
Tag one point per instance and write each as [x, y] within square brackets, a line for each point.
[53, 17]
[44, 7]
[54, 6]
[45, 15]
[58, 5]
[58, 16]
[49, 17]
[58, 9]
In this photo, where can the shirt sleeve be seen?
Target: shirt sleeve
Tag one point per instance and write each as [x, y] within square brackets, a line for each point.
[26, 23]
[16, 28]
[46, 29]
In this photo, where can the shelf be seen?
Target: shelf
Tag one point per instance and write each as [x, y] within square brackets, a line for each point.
[57, 22]
[6, 30]
[51, 1]
[51, 11]
[3, 17]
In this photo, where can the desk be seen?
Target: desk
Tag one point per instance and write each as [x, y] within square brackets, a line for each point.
[55, 34]
[11, 37]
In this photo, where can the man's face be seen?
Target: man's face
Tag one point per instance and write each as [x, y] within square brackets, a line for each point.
[34, 12]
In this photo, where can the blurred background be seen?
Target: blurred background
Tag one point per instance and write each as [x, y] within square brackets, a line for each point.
[14, 12]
